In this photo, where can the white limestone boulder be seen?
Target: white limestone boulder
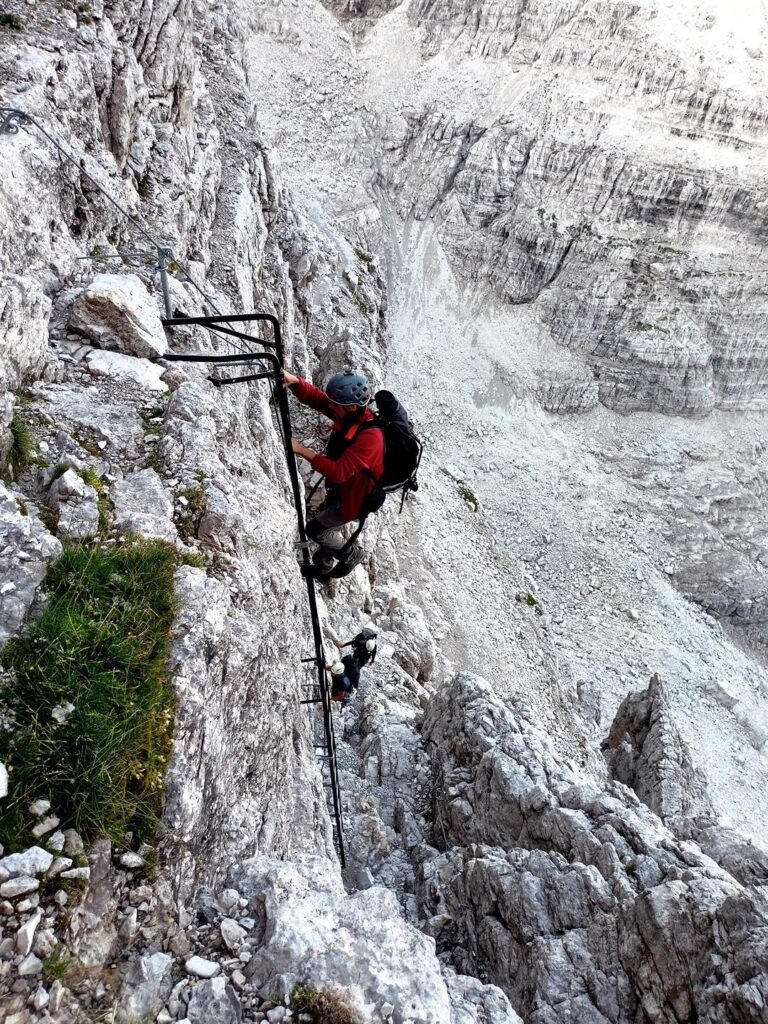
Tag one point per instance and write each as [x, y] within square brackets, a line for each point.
[143, 507]
[26, 547]
[116, 312]
[316, 933]
[115, 365]
[77, 505]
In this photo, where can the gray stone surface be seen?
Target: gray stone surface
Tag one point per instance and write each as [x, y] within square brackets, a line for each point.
[472, 1002]
[308, 918]
[116, 312]
[214, 1000]
[645, 751]
[76, 503]
[564, 892]
[542, 217]
[145, 989]
[92, 931]
[26, 548]
[32, 861]
[143, 507]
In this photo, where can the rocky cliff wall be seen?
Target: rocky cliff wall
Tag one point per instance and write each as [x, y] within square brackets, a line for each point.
[601, 162]
[163, 98]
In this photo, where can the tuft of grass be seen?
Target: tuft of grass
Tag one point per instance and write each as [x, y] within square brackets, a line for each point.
[21, 446]
[88, 445]
[92, 478]
[325, 1006]
[49, 518]
[365, 257]
[197, 561]
[101, 644]
[89, 476]
[468, 495]
[56, 965]
[530, 600]
[14, 21]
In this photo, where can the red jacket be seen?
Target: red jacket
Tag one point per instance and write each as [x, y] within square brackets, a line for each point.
[366, 452]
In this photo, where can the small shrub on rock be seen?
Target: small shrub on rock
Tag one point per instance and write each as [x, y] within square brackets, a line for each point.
[327, 1006]
[21, 449]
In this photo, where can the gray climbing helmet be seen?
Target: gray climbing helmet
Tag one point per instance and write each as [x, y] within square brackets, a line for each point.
[348, 388]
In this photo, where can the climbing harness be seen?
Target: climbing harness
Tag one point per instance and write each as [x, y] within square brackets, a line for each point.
[11, 119]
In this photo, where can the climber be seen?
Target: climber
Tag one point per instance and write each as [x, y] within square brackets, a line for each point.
[345, 677]
[363, 647]
[352, 464]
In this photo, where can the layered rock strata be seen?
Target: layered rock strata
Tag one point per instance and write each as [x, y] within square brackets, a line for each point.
[586, 159]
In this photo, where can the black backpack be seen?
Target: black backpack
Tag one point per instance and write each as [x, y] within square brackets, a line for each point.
[402, 454]
[360, 652]
[402, 450]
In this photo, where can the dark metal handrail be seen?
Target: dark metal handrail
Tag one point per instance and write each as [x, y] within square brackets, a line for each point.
[275, 361]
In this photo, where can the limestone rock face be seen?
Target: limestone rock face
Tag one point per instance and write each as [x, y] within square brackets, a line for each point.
[92, 930]
[646, 753]
[475, 1003]
[76, 504]
[116, 365]
[145, 989]
[143, 507]
[309, 920]
[214, 1000]
[562, 891]
[26, 548]
[591, 177]
[24, 311]
[116, 312]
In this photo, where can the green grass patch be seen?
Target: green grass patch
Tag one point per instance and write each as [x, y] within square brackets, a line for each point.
[101, 644]
[88, 445]
[468, 495]
[49, 518]
[57, 965]
[325, 1006]
[363, 256]
[651, 327]
[92, 478]
[21, 446]
[195, 560]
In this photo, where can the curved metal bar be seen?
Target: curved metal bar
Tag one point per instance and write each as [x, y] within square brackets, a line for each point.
[275, 361]
[11, 120]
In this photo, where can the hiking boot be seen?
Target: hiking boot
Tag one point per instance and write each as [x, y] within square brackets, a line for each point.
[345, 567]
[322, 563]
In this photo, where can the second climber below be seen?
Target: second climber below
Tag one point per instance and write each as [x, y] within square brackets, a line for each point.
[352, 464]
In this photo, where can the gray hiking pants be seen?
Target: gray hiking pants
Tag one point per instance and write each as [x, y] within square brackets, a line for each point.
[326, 529]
